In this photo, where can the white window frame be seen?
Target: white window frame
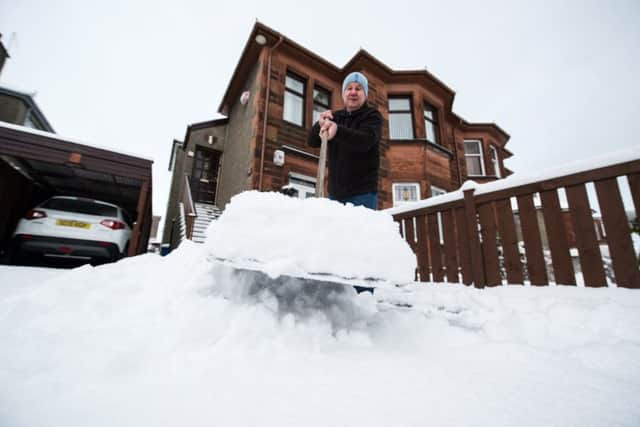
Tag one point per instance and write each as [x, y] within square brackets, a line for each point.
[479, 155]
[293, 92]
[408, 112]
[431, 122]
[437, 191]
[305, 185]
[493, 154]
[395, 185]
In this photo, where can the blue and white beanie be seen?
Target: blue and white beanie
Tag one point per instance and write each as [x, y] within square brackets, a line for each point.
[359, 78]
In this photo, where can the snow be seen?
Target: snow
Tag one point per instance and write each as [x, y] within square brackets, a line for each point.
[320, 236]
[66, 139]
[157, 340]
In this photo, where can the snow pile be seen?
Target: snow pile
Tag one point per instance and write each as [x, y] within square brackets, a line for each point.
[292, 236]
[176, 341]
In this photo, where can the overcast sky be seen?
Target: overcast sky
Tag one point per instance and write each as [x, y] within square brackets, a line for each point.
[560, 77]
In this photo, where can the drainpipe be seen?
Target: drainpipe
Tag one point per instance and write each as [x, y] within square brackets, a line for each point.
[455, 150]
[266, 112]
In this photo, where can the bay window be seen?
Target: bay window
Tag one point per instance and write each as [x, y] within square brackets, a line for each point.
[400, 123]
[473, 157]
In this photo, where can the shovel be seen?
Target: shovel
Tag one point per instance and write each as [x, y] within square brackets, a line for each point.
[321, 165]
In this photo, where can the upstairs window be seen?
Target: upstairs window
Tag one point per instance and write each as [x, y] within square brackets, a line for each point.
[473, 157]
[400, 123]
[321, 101]
[431, 124]
[494, 159]
[293, 110]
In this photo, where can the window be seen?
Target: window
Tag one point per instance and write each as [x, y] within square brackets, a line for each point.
[321, 102]
[304, 185]
[431, 124]
[494, 159]
[400, 123]
[32, 122]
[436, 191]
[473, 157]
[405, 193]
[293, 100]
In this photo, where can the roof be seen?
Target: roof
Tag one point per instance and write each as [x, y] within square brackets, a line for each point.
[71, 168]
[202, 125]
[27, 98]
[252, 49]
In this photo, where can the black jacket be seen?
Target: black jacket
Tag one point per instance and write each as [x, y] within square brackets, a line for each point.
[353, 154]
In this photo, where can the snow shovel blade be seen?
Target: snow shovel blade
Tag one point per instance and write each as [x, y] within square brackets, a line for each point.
[287, 287]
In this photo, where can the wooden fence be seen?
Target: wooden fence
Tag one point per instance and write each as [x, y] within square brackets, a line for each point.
[471, 237]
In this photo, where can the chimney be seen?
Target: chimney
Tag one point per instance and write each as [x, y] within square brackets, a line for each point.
[3, 54]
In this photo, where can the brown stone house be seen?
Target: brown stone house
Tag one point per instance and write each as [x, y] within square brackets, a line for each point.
[273, 97]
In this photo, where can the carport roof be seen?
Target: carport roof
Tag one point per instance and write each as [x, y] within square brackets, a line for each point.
[68, 167]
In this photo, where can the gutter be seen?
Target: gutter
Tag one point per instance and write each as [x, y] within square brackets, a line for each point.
[266, 112]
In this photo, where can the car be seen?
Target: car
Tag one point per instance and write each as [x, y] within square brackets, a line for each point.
[73, 228]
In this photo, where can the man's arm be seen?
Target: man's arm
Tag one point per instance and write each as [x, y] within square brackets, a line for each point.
[362, 139]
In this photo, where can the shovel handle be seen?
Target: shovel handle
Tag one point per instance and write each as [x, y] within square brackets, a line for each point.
[322, 161]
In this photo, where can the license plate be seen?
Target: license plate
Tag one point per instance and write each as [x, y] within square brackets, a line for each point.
[71, 223]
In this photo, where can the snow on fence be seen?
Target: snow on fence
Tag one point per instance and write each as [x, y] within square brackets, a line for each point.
[475, 236]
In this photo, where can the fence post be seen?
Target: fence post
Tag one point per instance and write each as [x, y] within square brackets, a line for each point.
[477, 264]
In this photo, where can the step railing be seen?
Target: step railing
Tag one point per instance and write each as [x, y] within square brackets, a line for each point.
[518, 230]
[189, 208]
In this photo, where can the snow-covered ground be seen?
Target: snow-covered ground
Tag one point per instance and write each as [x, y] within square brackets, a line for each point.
[165, 341]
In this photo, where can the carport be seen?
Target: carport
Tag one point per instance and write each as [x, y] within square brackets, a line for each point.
[35, 165]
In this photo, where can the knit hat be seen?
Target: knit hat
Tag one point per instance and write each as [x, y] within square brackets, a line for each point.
[359, 78]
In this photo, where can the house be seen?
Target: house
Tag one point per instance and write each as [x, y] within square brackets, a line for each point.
[274, 96]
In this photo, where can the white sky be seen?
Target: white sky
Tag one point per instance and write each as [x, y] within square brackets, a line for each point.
[131, 75]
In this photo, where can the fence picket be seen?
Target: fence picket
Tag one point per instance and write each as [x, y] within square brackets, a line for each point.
[464, 248]
[451, 261]
[423, 248]
[586, 242]
[532, 242]
[558, 241]
[489, 244]
[435, 248]
[509, 238]
[618, 234]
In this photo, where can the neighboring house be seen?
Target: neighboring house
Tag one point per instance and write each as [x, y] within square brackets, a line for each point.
[426, 148]
[18, 107]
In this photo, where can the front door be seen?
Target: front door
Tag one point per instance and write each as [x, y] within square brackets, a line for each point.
[204, 175]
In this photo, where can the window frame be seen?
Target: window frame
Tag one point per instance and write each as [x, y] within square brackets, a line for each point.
[315, 103]
[298, 78]
[395, 185]
[302, 183]
[493, 156]
[409, 98]
[480, 155]
[434, 122]
[439, 190]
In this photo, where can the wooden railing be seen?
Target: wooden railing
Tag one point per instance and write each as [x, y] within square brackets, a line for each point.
[472, 236]
[189, 208]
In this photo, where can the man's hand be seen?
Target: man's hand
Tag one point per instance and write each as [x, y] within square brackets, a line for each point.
[324, 117]
[330, 128]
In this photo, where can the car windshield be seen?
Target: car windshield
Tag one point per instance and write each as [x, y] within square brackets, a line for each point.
[81, 206]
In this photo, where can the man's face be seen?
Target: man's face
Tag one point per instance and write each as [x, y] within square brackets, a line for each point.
[353, 96]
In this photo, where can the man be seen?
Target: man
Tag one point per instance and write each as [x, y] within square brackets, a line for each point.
[353, 135]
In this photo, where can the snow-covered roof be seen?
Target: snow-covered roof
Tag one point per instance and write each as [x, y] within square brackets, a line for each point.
[67, 139]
